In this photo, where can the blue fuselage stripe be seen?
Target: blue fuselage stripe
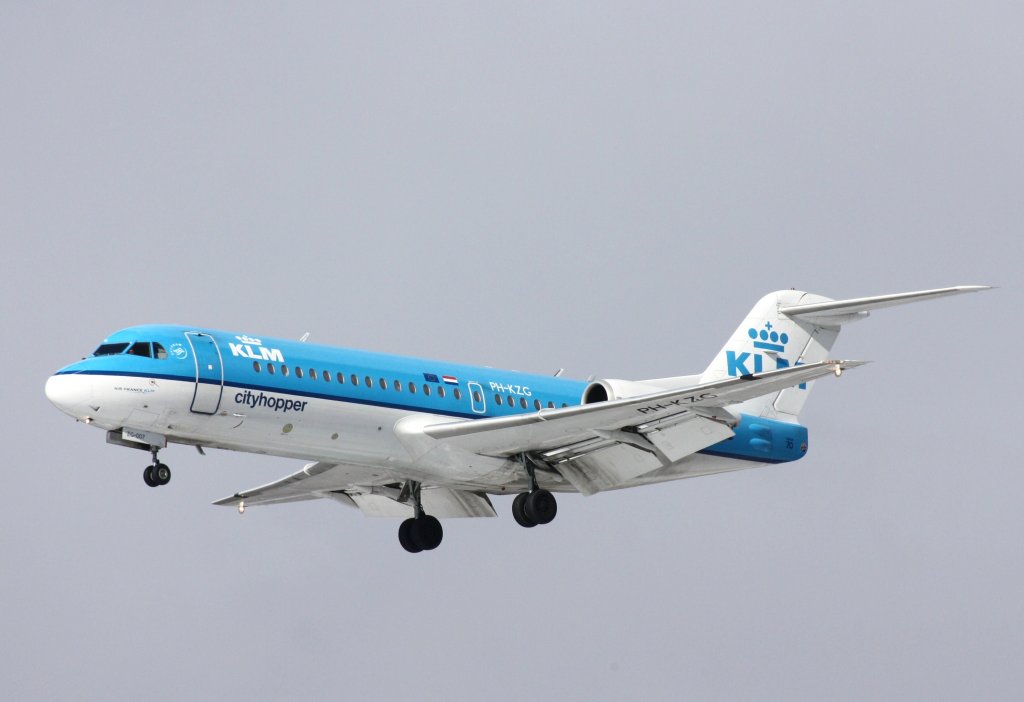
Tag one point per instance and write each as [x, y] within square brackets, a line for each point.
[241, 359]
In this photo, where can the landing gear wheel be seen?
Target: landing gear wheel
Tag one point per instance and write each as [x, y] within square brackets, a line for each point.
[427, 532]
[405, 537]
[147, 476]
[519, 510]
[540, 506]
[160, 474]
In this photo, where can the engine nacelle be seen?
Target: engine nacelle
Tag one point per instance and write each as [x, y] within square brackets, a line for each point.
[611, 389]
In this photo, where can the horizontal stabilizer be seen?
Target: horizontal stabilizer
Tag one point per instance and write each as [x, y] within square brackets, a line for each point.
[837, 312]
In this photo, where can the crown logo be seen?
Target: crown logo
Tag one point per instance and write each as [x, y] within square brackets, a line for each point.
[768, 339]
[249, 340]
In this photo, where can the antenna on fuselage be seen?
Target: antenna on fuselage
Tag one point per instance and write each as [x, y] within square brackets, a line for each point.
[558, 373]
[304, 337]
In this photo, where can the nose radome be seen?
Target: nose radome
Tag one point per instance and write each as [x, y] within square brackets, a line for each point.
[67, 393]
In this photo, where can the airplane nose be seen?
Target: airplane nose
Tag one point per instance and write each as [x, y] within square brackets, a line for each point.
[68, 393]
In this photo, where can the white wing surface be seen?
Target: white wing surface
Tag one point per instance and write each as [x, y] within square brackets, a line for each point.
[594, 447]
[353, 486]
[553, 428]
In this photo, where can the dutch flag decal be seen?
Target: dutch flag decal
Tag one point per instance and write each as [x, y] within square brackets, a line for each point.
[450, 379]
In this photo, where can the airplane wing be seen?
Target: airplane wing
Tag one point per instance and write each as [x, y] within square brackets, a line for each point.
[595, 446]
[550, 428]
[339, 482]
[606, 444]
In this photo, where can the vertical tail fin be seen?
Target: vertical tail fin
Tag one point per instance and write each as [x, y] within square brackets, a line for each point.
[790, 327]
[768, 339]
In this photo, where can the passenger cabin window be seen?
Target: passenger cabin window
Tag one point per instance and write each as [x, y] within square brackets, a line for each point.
[298, 371]
[412, 387]
[440, 390]
[109, 349]
[383, 384]
[522, 402]
[327, 376]
[457, 393]
[270, 368]
[398, 385]
[354, 379]
[284, 370]
[536, 404]
[312, 374]
[256, 366]
[369, 381]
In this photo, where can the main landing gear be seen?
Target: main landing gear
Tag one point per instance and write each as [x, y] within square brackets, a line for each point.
[538, 506]
[158, 473]
[421, 532]
[532, 508]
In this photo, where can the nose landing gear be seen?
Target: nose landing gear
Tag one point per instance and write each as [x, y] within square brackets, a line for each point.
[158, 473]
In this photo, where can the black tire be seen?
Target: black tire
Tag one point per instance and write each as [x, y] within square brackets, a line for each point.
[519, 511]
[427, 532]
[405, 537]
[147, 476]
[161, 474]
[541, 506]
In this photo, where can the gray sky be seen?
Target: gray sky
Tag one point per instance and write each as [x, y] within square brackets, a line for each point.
[607, 188]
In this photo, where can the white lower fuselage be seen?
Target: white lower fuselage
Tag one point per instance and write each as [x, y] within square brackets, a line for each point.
[381, 445]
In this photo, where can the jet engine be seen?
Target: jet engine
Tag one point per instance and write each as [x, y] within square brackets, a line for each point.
[611, 389]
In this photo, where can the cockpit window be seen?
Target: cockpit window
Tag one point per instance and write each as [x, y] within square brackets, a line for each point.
[146, 349]
[141, 348]
[109, 349]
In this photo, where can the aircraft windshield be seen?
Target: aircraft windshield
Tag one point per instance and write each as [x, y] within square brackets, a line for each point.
[146, 349]
[109, 349]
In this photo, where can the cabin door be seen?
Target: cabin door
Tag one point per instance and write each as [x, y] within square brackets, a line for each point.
[209, 373]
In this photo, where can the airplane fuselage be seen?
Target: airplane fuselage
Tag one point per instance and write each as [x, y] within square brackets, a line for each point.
[313, 402]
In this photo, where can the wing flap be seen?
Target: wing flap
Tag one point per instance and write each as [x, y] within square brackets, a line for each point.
[616, 457]
[443, 503]
[681, 440]
[607, 467]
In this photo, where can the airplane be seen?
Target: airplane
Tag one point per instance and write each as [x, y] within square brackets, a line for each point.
[422, 440]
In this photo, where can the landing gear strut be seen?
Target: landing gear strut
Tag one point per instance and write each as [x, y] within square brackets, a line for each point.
[421, 532]
[538, 506]
[158, 473]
